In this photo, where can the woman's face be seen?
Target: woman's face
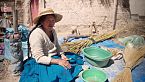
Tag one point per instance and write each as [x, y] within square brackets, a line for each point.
[49, 22]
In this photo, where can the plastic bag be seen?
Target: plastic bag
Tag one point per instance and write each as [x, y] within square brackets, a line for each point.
[135, 40]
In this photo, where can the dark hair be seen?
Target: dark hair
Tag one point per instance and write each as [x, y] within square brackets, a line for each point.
[28, 41]
[41, 19]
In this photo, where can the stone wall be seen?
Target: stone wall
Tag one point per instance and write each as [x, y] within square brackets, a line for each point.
[82, 13]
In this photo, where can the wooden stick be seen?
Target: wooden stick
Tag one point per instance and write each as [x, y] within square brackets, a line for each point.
[115, 13]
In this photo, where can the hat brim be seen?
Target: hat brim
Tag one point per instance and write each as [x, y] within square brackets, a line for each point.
[58, 17]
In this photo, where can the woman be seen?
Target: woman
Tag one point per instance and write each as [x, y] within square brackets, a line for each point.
[43, 40]
[43, 45]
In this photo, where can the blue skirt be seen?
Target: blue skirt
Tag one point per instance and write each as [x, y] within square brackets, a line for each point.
[34, 72]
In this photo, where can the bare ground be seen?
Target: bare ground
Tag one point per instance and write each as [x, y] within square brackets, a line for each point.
[5, 75]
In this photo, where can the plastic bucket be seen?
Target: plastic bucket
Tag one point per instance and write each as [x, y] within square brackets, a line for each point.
[97, 56]
[94, 75]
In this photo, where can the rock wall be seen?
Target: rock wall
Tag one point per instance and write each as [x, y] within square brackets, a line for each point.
[82, 13]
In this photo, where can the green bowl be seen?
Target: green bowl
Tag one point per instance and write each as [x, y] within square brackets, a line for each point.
[94, 75]
[97, 56]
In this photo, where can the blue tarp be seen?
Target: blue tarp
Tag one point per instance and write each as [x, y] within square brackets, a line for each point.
[138, 74]
[108, 44]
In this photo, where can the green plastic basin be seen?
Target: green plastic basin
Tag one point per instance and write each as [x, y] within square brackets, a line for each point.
[97, 56]
[94, 75]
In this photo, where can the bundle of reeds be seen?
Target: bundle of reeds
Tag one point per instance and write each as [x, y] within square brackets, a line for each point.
[77, 46]
[133, 56]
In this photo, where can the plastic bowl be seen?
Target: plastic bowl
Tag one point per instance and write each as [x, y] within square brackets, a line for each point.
[94, 75]
[97, 56]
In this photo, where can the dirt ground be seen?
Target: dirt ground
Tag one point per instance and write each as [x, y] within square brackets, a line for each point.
[138, 28]
[5, 75]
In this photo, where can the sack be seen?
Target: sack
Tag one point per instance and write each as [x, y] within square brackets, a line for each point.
[136, 40]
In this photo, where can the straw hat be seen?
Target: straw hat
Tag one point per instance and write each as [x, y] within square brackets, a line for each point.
[47, 11]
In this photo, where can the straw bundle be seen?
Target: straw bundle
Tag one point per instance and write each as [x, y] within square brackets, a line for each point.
[77, 46]
[132, 57]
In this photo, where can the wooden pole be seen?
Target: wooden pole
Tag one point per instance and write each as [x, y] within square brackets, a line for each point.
[15, 17]
[115, 13]
[44, 3]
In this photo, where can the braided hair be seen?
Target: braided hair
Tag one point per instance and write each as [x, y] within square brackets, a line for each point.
[42, 18]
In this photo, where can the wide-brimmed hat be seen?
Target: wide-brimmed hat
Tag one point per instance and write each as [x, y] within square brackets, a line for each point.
[47, 11]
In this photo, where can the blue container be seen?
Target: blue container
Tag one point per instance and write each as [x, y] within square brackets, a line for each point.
[94, 75]
[97, 56]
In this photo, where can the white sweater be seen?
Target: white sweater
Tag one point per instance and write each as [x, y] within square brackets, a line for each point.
[41, 46]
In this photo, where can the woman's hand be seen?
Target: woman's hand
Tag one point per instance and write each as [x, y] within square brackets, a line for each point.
[61, 62]
[64, 63]
[64, 57]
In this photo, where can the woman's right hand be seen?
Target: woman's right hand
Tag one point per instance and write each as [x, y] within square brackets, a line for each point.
[61, 62]
[64, 63]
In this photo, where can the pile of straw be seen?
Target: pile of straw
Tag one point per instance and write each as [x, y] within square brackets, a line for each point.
[77, 46]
